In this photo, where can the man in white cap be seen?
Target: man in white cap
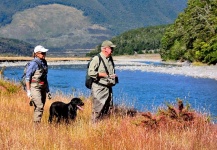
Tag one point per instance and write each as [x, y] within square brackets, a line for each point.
[102, 70]
[36, 82]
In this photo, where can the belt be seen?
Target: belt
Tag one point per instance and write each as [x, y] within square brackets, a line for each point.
[35, 81]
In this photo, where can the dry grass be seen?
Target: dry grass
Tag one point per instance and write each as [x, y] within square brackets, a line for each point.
[153, 57]
[144, 57]
[48, 58]
[17, 130]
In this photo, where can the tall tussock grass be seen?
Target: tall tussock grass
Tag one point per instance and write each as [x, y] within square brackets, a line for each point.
[119, 132]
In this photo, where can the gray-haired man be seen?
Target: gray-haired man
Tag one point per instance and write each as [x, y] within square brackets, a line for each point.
[105, 78]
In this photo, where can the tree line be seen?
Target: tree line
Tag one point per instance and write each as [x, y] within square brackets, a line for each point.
[193, 35]
[14, 47]
[136, 41]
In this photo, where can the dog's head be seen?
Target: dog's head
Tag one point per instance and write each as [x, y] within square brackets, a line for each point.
[78, 102]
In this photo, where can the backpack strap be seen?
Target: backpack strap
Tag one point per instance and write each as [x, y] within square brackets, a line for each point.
[104, 65]
[100, 59]
[38, 63]
[112, 63]
[106, 69]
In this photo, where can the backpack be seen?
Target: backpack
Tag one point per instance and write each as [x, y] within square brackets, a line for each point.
[23, 78]
[89, 80]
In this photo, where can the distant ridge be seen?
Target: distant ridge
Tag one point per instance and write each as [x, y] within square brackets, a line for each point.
[55, 26]
[61, 25]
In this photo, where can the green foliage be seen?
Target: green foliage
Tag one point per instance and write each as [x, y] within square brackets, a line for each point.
[193, 34]
[137, 40]
[211, 57]
[8, 87]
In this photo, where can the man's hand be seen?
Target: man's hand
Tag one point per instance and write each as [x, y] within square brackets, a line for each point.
[49, 95]
[29, 94]
[113, 76]
[102, 75]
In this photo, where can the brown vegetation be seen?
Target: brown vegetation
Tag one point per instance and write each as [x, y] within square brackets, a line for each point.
[17, 130]
[180, 116]
[147, 57]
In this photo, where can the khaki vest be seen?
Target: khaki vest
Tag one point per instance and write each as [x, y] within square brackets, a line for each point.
[39, 79]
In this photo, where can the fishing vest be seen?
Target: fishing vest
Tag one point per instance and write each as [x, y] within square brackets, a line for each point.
[39, 79]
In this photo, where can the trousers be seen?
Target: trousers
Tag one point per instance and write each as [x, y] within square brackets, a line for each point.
[102, 101]
[39, 99]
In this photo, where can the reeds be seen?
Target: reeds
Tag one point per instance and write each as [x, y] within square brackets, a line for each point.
[17, 130]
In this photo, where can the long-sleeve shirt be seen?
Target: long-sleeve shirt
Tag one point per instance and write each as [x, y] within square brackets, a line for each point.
[33, 66]
[97, 67]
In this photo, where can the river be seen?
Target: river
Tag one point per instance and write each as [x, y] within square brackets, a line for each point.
[146, 91]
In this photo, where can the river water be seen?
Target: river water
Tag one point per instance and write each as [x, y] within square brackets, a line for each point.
[143, 90]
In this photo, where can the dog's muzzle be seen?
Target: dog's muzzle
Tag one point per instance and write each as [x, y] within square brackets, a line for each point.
[80, 107]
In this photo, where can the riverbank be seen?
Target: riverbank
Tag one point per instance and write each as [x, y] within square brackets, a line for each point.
[142, 57]
[135, 62]
[193, 71]
[173, 68]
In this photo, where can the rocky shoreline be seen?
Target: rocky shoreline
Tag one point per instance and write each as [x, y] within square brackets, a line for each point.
[193, 71]
[173, 68]
[139, 63]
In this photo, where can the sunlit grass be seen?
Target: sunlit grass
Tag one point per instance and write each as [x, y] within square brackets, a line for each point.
[198, 64]
[17, 130]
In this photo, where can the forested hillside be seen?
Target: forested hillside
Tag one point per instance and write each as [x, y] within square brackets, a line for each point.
[137, 40]
[193, 35]
[12, 47]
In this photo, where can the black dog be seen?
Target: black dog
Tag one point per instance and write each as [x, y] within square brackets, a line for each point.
[65, 111]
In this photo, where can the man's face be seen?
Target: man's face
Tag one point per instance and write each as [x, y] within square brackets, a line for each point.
[109, 50]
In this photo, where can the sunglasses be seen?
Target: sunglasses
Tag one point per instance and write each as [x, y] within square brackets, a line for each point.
[43, 53]
[111, 48]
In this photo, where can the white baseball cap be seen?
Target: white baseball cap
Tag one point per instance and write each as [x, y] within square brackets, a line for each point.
[40, 48]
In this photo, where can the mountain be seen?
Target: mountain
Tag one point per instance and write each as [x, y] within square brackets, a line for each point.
[69, 25]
